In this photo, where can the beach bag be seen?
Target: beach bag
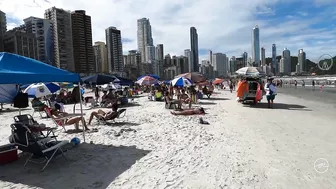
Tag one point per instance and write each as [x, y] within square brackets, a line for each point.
[21, 100]
[75, 95]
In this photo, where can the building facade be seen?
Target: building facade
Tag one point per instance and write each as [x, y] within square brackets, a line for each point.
[255, 46]
[100, 57]
[194, 59]
[150, 54]
[285, 62]
[42, 29]
[159, 56]
[274, 67]
[61, 38]
[114, 49]
[263, 57]
[21, 43]
[220, 64]
[144, 37]
[302, 61]
[82, 42]
[3, 29]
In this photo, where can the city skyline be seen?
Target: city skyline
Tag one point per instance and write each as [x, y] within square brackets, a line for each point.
[304, 26]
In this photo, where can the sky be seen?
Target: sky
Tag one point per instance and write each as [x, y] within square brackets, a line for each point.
[223, 25]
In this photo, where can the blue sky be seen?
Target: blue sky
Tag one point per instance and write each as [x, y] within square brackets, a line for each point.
[222, 26]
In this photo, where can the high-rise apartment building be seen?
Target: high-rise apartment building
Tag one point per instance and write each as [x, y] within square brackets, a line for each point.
[21, 43]
[159, 56]
[114, 49]
[210, 57]
[144, 37]
[150, 54]
[42, 29]
[220, 64]
[274, 66]
[187, 53]
[285, 62]
[82, 42]
[100, 57]
[256, 46]
[62, 37]
[3, 29]
[194, 60]
[245, 59]
[263, 56]
[302, 61]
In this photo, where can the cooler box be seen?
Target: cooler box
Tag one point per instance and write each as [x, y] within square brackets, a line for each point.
[8, 153]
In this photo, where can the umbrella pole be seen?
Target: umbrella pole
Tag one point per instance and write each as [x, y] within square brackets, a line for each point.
[81, 108]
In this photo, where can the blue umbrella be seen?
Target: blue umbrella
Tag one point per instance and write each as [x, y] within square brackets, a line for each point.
[181, 82]
[151, 75]
[41, 89]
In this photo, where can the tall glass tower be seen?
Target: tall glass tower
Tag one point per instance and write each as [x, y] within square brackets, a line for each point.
[255, 46]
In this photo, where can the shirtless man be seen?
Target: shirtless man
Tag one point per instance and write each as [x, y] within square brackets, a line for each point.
[196, 111]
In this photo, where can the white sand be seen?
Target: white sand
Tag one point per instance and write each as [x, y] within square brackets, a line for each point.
[243, 147]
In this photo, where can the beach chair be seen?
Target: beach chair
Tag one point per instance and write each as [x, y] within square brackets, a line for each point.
[60, 122]
[38, 109]
[119, 114]
[28, 120]
[45, 149]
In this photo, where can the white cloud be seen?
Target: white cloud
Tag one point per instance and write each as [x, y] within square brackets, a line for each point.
[223, 26]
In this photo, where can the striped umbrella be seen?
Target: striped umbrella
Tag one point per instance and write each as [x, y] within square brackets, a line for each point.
[181, 82]
[147, 80]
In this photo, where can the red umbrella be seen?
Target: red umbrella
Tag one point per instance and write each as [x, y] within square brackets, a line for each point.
[218, 81]
[195, 77]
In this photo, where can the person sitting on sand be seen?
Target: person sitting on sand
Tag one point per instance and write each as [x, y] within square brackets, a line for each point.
[185, 98]
[168, 100]
[196, 111]
[68, 120]
[104, 115]
[36, 103]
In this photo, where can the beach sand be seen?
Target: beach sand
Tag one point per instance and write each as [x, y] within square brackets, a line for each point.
[242, 147]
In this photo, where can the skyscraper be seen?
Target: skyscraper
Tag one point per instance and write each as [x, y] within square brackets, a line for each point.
[150, 54]
[82, 42]
[144, 37]
[41, 28]
[100, 57]
[114, 49]
[285, 62]
[263, 56]
[62, 38]
[220, 64]
[255, 46]
[3, 29]
[245, 59]
[159, 56]
[210, 57]
[194, 61]
[302, 61]
[274, 67]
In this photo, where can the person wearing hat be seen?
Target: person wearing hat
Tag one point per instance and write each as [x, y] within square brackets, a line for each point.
[270, 89]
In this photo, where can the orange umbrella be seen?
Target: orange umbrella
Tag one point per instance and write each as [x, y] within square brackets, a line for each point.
[218, 81]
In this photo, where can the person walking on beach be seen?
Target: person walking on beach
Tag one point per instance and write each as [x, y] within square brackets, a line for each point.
[303, 84]
[231, 85]
[270, 89]
[313, 84]
[295, 84]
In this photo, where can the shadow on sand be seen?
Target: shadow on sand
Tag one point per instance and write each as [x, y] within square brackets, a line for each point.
[280, 106]
[215, 98]
[14, 110]
[122, 123]
[88, 166]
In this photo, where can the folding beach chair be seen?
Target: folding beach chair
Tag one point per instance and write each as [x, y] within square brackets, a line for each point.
[28, 120]
[119, 114]
[45, 149]
[60, 121]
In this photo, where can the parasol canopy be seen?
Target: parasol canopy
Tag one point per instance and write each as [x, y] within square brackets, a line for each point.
[218, 81]
[147, 80]
[195, 77]
[251, 71]
[181, 82]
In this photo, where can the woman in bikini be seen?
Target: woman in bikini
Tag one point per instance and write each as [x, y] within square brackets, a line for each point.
[104, 115]
[68, 120]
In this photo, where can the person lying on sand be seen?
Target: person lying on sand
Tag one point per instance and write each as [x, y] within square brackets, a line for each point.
[68, 120]
[104, 115]
[196, 111]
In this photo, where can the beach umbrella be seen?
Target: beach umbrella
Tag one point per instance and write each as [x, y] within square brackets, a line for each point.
[151, 75]
[100, 79]
[181, 82]
[218, 81]
[195, 77]
[147, 80]
[251, 71]
[66, 85]
[111, 86]
[41, 89]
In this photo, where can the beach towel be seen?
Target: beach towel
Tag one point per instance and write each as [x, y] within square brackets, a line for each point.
[259, 93]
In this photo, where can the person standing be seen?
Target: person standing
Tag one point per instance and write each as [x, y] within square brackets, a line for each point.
[270, 89]
[313, 85]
